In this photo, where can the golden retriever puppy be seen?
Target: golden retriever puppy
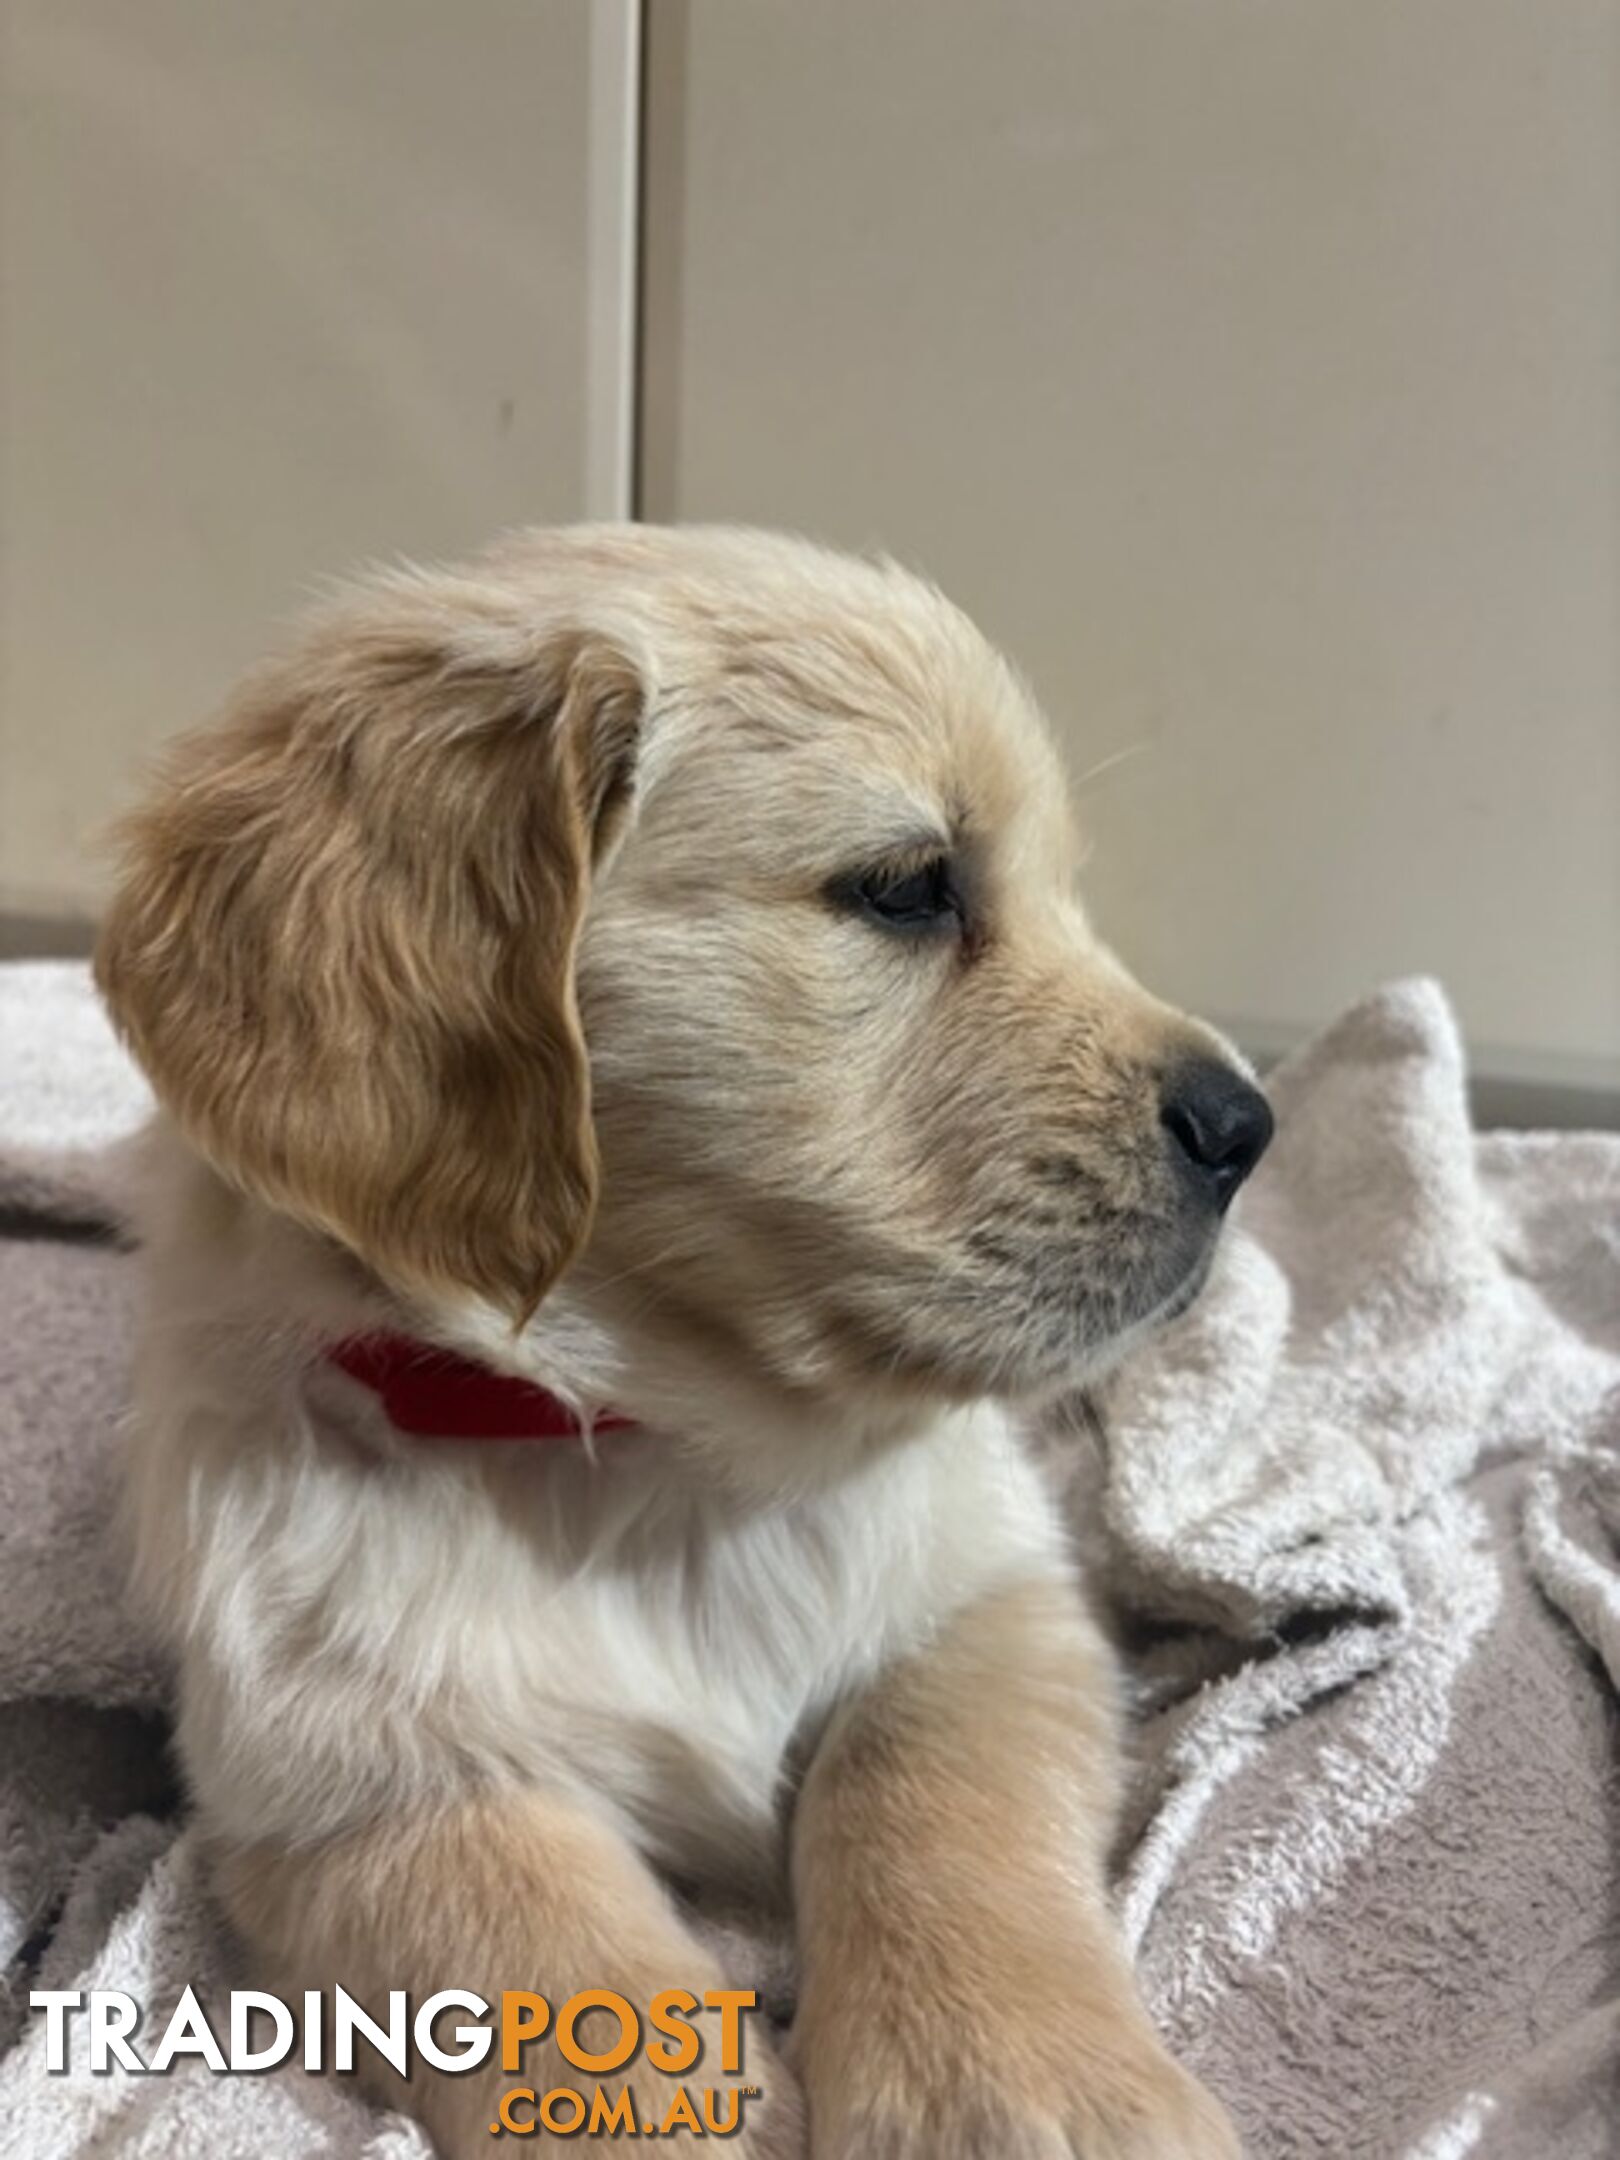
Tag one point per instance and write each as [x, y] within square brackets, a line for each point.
[648, 966]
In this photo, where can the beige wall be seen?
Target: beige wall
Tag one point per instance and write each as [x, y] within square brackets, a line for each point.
[1253, 372]
[283, 283]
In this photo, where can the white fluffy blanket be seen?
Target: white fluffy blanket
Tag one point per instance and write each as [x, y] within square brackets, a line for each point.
[1357, 1514]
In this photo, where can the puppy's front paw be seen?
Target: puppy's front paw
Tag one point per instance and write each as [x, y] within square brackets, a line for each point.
[1166, 2115]
[1126, 2109]
[773, 2116]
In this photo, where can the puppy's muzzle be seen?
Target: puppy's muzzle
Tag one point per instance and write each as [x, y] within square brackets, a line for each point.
[1219, 1127]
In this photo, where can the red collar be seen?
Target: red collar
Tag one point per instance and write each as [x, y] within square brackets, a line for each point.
[435, 1394]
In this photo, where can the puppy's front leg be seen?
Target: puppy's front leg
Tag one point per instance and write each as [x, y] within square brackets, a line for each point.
[509, 1890]
[965, 1995]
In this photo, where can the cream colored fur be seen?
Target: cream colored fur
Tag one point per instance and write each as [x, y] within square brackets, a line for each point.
[825, 1201]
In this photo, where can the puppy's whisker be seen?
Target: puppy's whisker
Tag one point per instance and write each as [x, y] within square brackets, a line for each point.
[1110, 763]
[645, 1266]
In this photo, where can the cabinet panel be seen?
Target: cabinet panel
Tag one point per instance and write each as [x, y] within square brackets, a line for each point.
[283, 286]
[1253, 374]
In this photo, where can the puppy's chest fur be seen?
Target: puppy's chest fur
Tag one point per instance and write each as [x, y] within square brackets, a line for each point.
[372, 1623]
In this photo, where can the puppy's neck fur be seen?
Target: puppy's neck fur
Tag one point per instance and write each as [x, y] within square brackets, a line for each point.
[283, 1293]
[656, 1627]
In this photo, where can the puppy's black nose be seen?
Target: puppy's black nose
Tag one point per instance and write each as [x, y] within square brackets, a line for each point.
[1220, 1124]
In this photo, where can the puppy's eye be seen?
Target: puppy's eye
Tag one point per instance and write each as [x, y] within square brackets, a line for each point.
[923, 896]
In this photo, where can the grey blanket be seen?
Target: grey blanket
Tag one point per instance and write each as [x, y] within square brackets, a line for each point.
[1357, 1517]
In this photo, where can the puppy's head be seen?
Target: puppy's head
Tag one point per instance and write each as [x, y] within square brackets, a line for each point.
[697, 911]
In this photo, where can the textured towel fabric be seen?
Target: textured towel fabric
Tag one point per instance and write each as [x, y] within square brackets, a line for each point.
[1357, 1515]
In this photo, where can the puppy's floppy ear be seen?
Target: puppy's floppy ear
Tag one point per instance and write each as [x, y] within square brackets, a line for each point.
[344, 942]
